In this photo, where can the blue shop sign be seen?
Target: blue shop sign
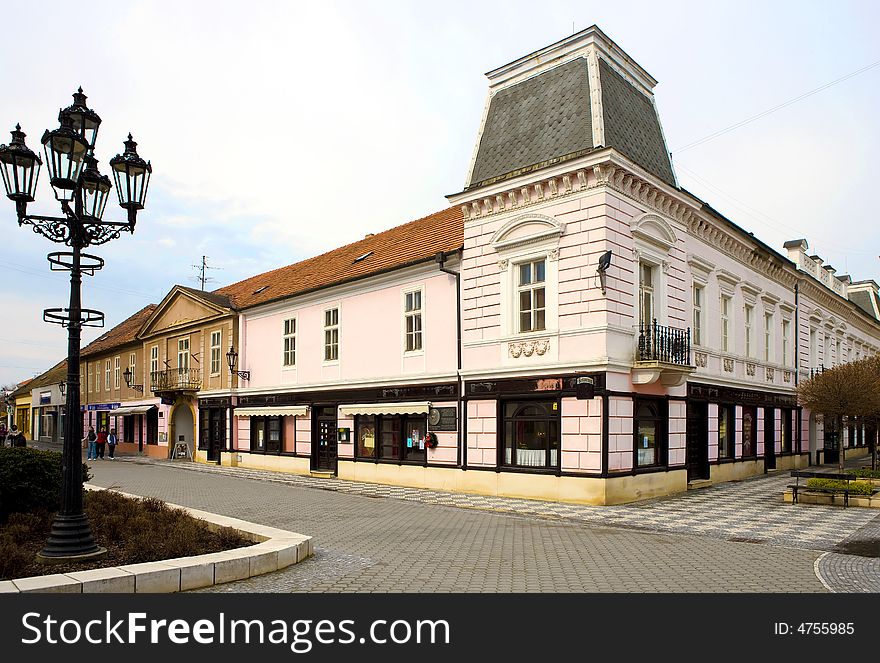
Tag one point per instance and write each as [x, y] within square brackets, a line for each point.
[99, 406]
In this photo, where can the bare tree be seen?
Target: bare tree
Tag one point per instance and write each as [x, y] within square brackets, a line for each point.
[847, 390]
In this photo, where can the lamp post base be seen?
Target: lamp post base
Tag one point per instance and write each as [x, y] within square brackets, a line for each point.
[70, 540]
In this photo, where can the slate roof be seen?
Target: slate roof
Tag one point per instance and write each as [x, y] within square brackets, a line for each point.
[122, 334]
[408, 244]
[863, 299]
[541, 119]
[548, 118]
[632, 126]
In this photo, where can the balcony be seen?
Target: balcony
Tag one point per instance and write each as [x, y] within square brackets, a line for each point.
[176, 379]
[662, 353]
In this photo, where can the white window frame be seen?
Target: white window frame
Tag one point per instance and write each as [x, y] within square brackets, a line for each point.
[532, 287]
[814, 348]
[698, 296]
[154, 359]
[288, 342]
[414, 314]
[117, 362]
[183, 352]
[107, 374]
[749, 327]
[527, 238]
[768, 336]
[724, 307]
[215, 351]
[786, 341]
[647, 291]
[132, 366]
[97, 377]
[330, 328]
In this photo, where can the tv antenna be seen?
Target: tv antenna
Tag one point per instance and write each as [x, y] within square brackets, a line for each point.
[201, 275]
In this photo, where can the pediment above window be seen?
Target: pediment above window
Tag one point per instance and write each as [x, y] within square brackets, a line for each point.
[527, 229]
[653, 229]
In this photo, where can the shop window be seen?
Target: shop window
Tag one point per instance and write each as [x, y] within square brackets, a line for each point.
[531, 434]
[749, 432]
[365, 436]
[726, 429]
[649, 430]
[267, 434]
[786, 431]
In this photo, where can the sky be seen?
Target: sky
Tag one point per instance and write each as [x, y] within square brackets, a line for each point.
[279, 130]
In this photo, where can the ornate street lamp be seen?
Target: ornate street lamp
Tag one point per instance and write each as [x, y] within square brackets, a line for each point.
[62, 388]
[232, 360]
[83, 192]
[128, 376]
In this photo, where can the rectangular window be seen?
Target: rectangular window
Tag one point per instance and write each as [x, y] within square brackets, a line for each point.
[88, 382]
[838, 358]
[698, 315]
[116, 361]
[132, 366]
[531, 434]
[412, 314]
[289, 336]
[786, 431]
[216, 340]
[768, 336]
[107, 375]
[749, 432]
[649, 437]
[748, 317]
[725, 323]
[786, 340]
[725, 431]
[98, 377]
[365, 436]
[531, 294]
[154, 359]
[267, 434]
[814, 349]
[646, 294]
[183, 354]
[331, 334]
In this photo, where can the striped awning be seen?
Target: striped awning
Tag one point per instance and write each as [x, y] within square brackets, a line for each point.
[280, 411]
[416, 407]
[135, 409]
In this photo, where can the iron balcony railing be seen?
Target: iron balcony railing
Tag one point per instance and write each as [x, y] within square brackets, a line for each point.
[665, 344]
[176, 379]
[817, 371]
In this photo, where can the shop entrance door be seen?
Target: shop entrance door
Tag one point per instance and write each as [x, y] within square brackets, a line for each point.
[324, 436]
[697, 440]
[769, 439]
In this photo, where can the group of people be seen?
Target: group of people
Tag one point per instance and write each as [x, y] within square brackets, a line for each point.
[96, 442]
[13, 437]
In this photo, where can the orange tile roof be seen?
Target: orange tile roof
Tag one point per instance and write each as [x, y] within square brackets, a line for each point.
[121, 334]
[408, 244]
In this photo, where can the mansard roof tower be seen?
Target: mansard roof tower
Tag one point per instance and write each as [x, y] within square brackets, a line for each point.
[565, 101]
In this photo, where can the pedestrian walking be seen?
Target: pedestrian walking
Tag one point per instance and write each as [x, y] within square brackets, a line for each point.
[90, 440]
[3, 434]
[101, 442]
[112, 441]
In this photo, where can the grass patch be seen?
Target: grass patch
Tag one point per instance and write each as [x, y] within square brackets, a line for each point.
[855, 487]
[132, 530]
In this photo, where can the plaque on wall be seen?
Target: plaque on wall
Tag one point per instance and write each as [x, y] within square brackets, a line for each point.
[442, 419]
[343, 434]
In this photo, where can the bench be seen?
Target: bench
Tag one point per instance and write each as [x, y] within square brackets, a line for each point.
[807, 474]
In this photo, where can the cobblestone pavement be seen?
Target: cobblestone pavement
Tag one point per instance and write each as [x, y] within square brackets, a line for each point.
[368, 541]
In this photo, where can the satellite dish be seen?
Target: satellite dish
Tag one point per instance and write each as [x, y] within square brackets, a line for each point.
[604, 261]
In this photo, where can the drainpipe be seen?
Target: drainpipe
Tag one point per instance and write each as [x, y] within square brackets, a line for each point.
[797, 368]
[441, 261]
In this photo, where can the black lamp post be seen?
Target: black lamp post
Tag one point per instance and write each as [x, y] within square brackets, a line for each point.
[82, 192]
[232, 360]
[129, 377]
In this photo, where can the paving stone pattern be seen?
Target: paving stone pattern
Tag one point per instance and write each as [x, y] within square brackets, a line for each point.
[373, 538]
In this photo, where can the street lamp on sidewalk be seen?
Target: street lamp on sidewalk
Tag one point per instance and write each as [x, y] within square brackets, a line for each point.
[82, 192]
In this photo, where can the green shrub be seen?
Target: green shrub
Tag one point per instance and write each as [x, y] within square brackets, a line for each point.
[867, 473]
[30, 479]
[855, 487]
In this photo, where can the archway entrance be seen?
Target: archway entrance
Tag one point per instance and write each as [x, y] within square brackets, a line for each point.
[182, 421]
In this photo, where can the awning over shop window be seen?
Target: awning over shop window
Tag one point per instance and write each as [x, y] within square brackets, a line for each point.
[419, 407]
[280, 411]
[135, 409]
